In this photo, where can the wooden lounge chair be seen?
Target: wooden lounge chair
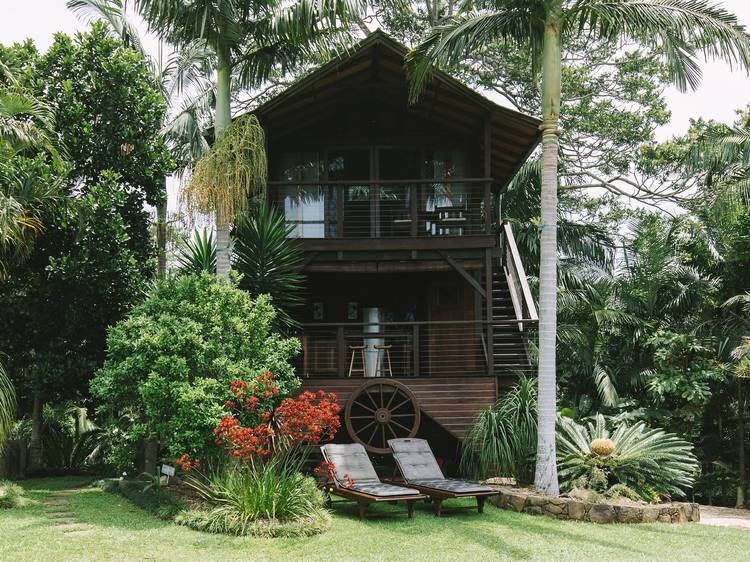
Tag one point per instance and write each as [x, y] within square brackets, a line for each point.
[420, 470]
[352, 464]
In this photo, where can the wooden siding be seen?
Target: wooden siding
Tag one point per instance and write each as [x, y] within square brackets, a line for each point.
[452, 402]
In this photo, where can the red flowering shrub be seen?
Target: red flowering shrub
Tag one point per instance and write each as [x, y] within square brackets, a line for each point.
[326, 470]
[255, 426]
[186, 464]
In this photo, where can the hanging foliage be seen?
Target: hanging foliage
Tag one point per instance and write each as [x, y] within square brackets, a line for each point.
[234, 168]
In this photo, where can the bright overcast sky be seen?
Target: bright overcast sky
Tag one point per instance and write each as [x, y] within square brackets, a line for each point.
[720, 95]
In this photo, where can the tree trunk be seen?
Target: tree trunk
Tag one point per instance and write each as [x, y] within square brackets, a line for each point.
[742, 480]
[161, 235]
[35, 443]
[545, 479]
[223, 118]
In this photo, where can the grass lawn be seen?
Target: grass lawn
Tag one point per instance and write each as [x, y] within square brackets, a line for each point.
[124, 532]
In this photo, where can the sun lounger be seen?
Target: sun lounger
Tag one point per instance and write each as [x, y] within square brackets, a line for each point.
[420, 470]
[355, 479]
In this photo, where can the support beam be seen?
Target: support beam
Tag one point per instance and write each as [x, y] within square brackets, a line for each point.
[465, 274]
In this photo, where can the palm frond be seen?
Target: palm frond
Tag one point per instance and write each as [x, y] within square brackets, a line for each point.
[7, 405]
[681, 28]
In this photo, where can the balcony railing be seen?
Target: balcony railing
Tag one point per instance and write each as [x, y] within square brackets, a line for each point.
[419, 349]
[383, 209]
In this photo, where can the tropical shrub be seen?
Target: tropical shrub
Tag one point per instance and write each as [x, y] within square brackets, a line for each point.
[502, 440]
[170, 362]
[269, 258]
[7, 406]
[649, 462]
[199, 254]
[260, 487]
[71, 439]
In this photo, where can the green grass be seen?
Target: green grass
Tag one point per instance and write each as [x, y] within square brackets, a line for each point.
[125, 532]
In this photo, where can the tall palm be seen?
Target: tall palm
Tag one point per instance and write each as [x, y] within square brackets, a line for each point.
[251, 39]
[679, 29]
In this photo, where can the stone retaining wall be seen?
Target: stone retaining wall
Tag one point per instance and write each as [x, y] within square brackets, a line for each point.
[522, 500]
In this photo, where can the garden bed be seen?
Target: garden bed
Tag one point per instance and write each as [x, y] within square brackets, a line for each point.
[622, 510]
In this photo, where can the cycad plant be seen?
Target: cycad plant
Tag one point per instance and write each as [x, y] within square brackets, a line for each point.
[71, 438]
[652, 463]
[679, 30]
[199, 254]
[502, 439]
[269, 259]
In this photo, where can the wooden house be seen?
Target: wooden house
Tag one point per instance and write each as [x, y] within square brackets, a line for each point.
[417, 305]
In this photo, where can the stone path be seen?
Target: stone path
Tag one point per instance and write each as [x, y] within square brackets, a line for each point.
[58, 511]
[725, 517]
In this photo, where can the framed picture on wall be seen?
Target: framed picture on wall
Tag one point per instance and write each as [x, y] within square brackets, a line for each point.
[352, 311]
[318, 311]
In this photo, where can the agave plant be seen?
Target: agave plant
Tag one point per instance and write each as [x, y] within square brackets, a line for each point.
[269, 259]
[199, 254]
[651, 462]
[502, 440]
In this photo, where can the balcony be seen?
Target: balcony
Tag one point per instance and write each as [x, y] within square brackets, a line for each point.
[384, 209]
[416, 349]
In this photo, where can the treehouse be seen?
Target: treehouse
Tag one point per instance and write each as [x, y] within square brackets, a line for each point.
[417, 306]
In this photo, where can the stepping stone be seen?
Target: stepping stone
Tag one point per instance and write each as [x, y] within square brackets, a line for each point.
[72, 521]
[81, 533]
[59, 514]
[74, 525]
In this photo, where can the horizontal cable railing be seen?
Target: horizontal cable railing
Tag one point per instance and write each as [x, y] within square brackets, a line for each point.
[401, 349]
[383, 209]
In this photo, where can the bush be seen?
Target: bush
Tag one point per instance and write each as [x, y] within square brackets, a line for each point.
[648, 462]
[11, 495]
[170, 362]
[269, 499]
[502, 440]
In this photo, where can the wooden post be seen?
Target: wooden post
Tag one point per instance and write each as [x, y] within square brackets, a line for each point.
[415, 349]
[488, 175]
[340, 196]
[413, 211]
[488, 309]
[341, 347]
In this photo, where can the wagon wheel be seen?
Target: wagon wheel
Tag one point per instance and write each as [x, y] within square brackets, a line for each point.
[380, 410]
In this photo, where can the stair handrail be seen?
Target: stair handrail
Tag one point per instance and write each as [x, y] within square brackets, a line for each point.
[516, 274]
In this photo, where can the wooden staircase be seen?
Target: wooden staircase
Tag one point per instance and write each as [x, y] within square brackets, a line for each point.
[509, 347]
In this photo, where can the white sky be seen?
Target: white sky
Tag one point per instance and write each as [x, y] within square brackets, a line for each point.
[722, 91]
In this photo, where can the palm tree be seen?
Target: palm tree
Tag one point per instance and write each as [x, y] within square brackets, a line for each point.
[26, 125]
[679, 29]
[250, 39]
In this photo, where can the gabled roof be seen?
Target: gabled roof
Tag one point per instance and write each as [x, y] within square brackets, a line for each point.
[445, 101]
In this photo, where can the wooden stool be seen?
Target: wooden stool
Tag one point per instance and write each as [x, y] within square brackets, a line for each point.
[361, 349]
[385, 350]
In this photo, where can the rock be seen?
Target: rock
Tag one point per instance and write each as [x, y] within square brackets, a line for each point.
[516, 502]
[696, 515]
[627, 514]
[534, 510]
[602, 513]
[554, 509]
[536, 501]
[650, 514]
[664, 517]
[576, 510]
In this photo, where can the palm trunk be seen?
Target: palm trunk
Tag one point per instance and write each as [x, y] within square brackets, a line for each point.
[223, 118]
[742, 480]
[161, 235]
[35, 442]
[546, 458]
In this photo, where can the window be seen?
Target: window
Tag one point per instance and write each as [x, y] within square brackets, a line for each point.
[305, 206]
